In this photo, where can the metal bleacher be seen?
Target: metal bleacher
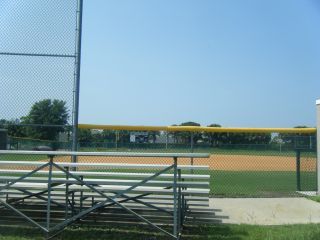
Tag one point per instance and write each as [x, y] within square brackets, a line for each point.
[51, 194]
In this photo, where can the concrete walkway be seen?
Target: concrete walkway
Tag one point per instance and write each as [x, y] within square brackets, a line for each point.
[266, 211]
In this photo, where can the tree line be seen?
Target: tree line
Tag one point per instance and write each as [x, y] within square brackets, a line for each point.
[45, 121]
[214, 139]
[49, 118]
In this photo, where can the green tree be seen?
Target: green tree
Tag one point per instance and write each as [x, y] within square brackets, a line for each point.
[46, 112]
[185, 137]
[214, 138]
[220, 138]
[299, 140]
[109, 135]
[85, 136]
[13, 127]
[124, 136]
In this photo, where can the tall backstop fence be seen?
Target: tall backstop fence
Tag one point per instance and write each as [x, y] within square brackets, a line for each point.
[39, 59]
[243, 161]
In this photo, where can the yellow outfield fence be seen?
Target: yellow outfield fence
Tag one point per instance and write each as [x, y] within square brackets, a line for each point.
[198, 129]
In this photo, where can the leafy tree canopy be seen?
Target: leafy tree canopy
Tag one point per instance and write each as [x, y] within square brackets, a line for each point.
[14, 130]
[214, 125]
[190, 124]
[46, 112]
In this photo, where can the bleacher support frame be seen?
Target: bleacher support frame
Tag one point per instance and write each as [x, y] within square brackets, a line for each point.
[179, 204]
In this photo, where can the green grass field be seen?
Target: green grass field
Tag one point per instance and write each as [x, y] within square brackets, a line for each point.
[213, 232]
[259, 183]
[24, 157]
[253, 183]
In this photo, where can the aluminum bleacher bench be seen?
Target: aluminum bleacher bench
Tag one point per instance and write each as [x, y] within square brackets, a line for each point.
[53, 194]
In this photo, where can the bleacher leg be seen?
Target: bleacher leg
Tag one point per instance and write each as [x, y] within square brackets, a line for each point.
[49, 193]
[179, 202]
[175, 212]
[81, 195]
[67, 194]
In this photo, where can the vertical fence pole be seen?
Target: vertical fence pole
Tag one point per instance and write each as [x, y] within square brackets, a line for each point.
[192, 149]
[298, 154]
[191, 142]
[318, 146]
[117, 138]
[167, 139]
[77, 81]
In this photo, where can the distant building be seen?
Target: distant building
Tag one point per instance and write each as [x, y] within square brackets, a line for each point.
[164, 138]
[139, 137]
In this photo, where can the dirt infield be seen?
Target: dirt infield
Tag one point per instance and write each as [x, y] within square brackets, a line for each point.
[216, 162]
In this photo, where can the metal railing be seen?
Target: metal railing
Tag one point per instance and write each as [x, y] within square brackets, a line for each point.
[46, 193]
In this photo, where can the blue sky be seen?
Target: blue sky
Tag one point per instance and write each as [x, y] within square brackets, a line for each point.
[239, 63]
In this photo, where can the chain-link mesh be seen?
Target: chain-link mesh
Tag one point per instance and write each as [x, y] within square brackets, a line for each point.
[240, 164]
[274, 165]
[268, 169]
[264, 165]
[37, 59]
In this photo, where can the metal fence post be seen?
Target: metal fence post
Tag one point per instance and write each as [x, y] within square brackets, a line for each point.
[318, 146]
[298, 154]
[167, 139]
[192, 150]
[117, 139]
[77, 81]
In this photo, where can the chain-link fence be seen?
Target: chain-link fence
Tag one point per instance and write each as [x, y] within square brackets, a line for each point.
[38, 59]
[241, 164]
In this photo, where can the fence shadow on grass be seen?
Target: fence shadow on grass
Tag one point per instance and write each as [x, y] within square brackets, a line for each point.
[199, 225]
[208, 225]
[205, 216]
[214, 232]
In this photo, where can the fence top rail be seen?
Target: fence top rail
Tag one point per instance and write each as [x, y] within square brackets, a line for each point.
[198, 129]
[108, 154]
